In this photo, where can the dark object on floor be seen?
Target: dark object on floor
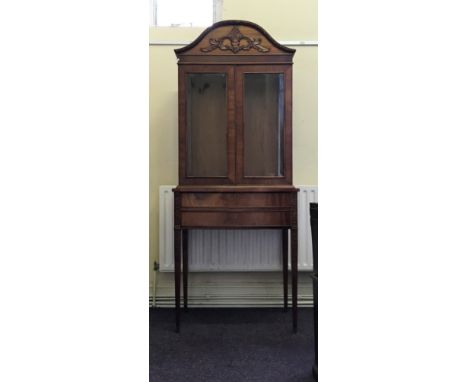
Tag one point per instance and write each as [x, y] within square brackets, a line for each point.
[314, 228]
[230, 345]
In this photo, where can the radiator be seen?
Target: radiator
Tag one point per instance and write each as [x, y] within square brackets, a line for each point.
[234, 250]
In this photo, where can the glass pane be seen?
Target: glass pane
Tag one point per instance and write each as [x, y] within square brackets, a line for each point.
[206, 125]
[263, 124]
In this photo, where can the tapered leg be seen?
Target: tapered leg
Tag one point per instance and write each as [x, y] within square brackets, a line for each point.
[185, 265]
[285, 268]
[177, 276]
[294, 275]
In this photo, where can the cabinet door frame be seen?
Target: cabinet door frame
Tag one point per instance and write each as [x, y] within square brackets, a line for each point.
[286, 178]
[184, 71]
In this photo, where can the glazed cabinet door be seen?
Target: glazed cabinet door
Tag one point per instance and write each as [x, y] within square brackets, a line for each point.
[206, 125]
[263, 110]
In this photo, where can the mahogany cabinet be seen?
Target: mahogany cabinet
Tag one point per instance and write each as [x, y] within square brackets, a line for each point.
[235, 141]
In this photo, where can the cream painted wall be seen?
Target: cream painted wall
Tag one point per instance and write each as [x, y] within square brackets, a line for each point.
[284, 20]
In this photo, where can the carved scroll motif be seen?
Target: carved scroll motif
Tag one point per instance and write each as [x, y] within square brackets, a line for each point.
[235, 41]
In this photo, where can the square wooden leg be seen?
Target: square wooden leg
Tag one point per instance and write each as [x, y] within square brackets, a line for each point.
[285, 269]
[177, 237]
[185, 265]
[294, 275]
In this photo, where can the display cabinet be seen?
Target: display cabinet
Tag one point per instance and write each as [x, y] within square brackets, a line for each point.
[235, 142]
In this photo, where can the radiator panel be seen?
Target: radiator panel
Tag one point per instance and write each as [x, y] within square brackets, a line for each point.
[234, 250]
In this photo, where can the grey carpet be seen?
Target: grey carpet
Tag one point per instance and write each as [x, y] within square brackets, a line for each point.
[231, 345]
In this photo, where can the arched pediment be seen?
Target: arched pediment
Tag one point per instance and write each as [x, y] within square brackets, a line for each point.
[234, 38]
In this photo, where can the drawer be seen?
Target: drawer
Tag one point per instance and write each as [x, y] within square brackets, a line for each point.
[227, 199]
[235, 219]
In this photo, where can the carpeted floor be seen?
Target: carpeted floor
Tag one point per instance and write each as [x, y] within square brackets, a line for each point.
[231, 345]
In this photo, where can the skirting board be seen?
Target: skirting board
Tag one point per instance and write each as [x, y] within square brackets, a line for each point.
[239, 290]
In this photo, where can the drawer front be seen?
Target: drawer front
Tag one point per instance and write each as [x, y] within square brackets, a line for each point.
[233, 219]
[225, 199]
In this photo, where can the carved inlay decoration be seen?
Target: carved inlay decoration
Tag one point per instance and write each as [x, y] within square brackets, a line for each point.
[235, 41]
